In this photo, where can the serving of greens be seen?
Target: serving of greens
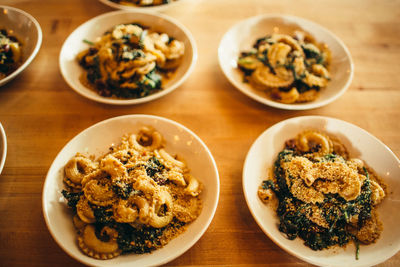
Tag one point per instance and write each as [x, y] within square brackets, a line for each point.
[316, 201]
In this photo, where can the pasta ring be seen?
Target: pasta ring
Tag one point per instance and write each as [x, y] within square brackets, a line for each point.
[84, 211]
[124, 213]
[264, 77]
[309, 139]
[95, 248]
[277, 54]
[113, 167]
[144, 209]
[99, 192]
[285, 97]
[76, 169]
[194, 187]
[156, 220]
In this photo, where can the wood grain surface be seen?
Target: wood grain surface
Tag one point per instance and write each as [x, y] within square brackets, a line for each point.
[40, 114]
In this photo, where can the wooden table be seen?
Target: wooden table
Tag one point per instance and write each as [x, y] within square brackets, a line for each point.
[40, 114]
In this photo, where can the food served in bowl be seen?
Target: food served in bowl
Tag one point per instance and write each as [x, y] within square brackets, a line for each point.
[10, 53]
[288, 68]
[130, 61]
[134, 199]
[142, 3]
[324, 196]
[20, 41]
[241, 38]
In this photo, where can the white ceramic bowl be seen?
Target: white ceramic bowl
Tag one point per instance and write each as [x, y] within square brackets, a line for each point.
[3, 147]
[96, 140]
[243, 35]
[28, 32]
[90, 30]
[360, 144]
[149, 8]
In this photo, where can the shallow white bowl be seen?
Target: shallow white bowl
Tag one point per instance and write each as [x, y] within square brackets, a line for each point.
[96, 140]
[149, 8]
[28, 32]
[90, 30]
[3, 147]
[360, 144]
[243, 35]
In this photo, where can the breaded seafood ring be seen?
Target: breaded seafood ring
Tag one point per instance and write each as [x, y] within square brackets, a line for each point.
[96, 248]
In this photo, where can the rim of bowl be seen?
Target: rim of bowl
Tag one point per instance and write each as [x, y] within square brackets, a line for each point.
[4, 144]
[132, 101]
[128, 7]
[275, 104]
[35, 50]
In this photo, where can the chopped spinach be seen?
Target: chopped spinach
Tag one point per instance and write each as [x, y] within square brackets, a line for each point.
[72, 198]
[294, 214]
[103, 215]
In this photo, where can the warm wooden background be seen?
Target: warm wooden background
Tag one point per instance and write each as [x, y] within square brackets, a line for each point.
[40, 114]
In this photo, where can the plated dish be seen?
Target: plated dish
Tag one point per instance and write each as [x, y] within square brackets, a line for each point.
[137, 196]
[3, 147]
[10, 53]
[178, 141]
[130, 61]
[153, 5]
[127, 57]
[287, 68]
[285, 62]
[20, 41]
[349, 141]
[322, 194]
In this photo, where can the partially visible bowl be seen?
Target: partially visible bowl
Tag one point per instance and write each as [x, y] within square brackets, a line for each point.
[3, 147]
[242, 36]
[94, 28]
[133, 7]
[360, 144]
[28, 32]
